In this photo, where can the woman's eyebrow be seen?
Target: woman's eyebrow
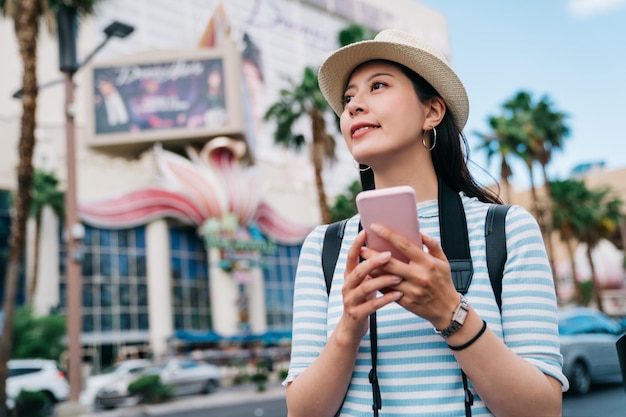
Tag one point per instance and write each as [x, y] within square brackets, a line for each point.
[378, 74]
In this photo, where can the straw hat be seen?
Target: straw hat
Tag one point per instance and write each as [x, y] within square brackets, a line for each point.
[405, 49]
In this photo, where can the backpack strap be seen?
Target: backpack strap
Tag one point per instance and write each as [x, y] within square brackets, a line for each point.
[330, 250]
[495, 238]
[456, 249]
[454, 238]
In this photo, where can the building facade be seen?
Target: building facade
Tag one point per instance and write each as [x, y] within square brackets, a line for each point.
[193, 219]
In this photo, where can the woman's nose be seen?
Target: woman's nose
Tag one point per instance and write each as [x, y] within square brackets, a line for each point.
[356, 104]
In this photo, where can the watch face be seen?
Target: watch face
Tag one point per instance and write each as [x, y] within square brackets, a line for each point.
[461, 315]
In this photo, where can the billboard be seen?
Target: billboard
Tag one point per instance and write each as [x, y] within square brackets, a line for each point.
[166, 97]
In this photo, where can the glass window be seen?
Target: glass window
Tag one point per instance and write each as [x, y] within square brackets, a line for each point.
[190, 280]
[115, 295]
[279, 273]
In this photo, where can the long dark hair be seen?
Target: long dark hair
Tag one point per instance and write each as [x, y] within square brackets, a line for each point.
[450, 153]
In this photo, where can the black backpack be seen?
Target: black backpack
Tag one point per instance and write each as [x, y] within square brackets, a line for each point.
[455, 244]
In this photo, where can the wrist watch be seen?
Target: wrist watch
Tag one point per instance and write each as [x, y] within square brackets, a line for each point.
[458, 318]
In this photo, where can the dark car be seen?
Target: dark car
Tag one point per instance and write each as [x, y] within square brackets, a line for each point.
[588, 339]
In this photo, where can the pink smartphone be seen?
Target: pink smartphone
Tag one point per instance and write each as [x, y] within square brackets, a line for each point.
[393, 207]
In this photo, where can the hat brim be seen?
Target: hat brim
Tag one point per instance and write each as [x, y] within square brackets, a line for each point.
[335, 70]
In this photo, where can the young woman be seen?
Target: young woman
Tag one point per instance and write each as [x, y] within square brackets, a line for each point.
[402, 110]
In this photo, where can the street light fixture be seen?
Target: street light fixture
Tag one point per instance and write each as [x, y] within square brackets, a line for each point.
[115, 29]
[66, 21]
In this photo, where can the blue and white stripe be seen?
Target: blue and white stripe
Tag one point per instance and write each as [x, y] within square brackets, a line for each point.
[418, 374]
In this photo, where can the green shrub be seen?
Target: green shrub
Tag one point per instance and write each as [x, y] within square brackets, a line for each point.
[150, 389]
[261, 375]
[31, 404]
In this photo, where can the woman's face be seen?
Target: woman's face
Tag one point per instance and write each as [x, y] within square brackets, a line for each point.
[382, 114]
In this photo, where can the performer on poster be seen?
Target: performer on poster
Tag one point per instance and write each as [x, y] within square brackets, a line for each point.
[111, 111]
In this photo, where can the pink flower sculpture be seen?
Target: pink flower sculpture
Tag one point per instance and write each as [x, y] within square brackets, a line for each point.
[210, 184]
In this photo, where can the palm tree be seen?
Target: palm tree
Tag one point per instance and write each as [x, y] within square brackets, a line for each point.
[26, 15]
[500, 141]
[45, 193]
[531, 132]
[588, 216]
[345, 204]
[570, 200]
[603, 222]
[546, 135]
[298, 101]
[306, 99]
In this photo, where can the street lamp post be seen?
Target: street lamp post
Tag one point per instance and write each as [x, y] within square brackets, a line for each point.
[74, 232]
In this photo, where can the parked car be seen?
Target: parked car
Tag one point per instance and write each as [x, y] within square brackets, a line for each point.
[94, 383]
[184, 376]
[588, 339]
[36, 375]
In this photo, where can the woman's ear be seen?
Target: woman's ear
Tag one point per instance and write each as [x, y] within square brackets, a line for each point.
[436, 109]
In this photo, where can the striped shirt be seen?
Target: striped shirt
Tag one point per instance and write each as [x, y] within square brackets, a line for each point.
[418, 373]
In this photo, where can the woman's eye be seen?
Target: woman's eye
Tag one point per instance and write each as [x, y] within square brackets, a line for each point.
[346, 99]
[376, 85]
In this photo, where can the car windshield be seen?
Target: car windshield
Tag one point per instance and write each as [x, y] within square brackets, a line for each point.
[111, 369]
[153, 370]
[586, 323]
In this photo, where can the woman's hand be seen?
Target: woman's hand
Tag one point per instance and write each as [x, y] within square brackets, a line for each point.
[360, 289]
[426, 286]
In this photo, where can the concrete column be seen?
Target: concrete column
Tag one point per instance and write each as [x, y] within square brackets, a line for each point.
[46, 293]
[255, 290]
[159, 286]
[224, 291]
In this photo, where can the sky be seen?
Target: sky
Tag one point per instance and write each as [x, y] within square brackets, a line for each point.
[572, 51]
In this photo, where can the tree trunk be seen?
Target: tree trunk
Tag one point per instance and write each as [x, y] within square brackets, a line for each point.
[505, 172]
[318, 128]
[595, 288]
[35, 273]
[546, 220]
[577, 285]
[533, 192]
[26, 26]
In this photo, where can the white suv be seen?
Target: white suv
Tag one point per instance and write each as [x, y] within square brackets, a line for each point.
[36, 375]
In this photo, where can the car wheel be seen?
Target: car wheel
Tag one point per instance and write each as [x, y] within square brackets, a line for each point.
[210, 386]
[48, 406]
[580, 382]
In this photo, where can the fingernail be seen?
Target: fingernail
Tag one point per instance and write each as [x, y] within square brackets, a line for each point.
[396, 279]
[376, 228]
[384, 256]
[397, 295]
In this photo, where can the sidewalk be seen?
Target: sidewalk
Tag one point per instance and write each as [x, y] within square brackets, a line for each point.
[224, 396]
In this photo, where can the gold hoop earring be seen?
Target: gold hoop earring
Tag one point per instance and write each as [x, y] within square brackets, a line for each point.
[432, 146]
[359, 167]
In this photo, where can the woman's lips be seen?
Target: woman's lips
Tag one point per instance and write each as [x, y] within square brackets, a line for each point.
[362, 129]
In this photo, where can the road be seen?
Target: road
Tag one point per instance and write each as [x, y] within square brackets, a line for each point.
[602, 401]
[268, 408]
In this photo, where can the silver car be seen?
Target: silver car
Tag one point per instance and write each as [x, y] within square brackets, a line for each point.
[184, 376]
[588, 339]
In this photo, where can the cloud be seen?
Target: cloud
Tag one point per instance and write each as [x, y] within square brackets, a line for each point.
[586, 8]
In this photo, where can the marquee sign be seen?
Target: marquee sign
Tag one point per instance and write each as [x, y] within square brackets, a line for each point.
[166, 97]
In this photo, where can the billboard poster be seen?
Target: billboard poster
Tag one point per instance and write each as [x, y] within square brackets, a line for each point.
[164, 98]
[159, 96]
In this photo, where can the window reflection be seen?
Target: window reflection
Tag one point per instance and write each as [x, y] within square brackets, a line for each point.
[190, 280]
[278, 274]
[115, 295]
